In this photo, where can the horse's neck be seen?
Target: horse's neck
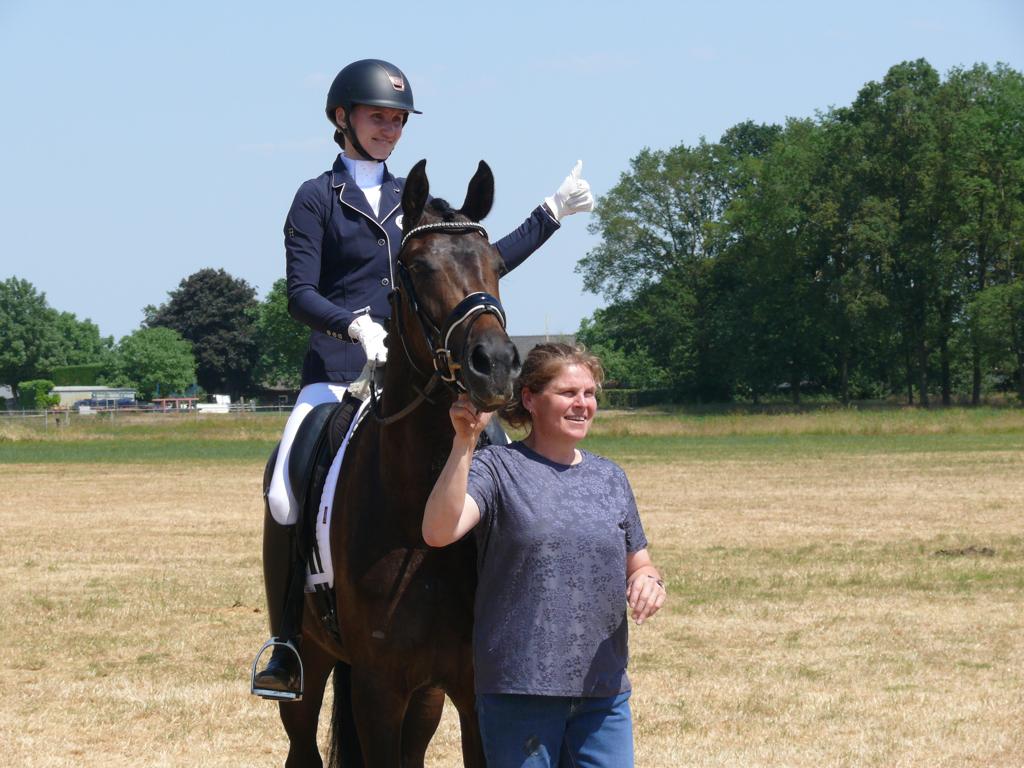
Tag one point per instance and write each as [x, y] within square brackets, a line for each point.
[412, 452]
[416, 445]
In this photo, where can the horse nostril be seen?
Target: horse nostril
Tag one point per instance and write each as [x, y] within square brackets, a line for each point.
[480, 361]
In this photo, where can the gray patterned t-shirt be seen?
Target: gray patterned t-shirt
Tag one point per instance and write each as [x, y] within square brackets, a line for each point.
[551, 557]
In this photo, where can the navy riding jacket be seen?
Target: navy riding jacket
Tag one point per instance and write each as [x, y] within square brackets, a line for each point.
[340, 263]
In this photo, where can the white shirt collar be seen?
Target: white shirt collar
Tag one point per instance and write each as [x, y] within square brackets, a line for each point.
[367, 173]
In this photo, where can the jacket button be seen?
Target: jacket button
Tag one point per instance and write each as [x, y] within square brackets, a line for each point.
[385, 282]
[381, 242]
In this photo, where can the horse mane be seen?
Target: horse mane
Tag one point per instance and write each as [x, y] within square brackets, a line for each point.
[443, 209]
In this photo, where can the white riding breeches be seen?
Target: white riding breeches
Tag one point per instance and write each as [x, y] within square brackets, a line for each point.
[281, 499]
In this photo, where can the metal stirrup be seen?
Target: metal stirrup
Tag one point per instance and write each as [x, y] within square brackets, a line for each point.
[269, 693]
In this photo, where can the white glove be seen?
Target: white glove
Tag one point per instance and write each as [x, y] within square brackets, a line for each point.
[371, 335]
[572, 196]
[360, 388]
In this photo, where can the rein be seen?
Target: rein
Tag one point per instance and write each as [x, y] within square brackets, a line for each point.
[470, 309]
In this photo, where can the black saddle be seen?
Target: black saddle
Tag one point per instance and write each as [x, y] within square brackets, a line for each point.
[318, 439]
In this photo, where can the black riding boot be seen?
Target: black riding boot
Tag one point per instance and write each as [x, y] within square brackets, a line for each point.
[283, 576]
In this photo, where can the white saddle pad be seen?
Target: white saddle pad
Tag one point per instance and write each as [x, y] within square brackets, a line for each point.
[320, 567]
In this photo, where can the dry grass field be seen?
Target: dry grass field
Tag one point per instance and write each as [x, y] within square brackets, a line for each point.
[827, 608]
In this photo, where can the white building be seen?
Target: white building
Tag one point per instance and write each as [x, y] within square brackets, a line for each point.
[71, 395]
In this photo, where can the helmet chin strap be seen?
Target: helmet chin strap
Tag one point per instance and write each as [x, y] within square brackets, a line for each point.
[350, 135]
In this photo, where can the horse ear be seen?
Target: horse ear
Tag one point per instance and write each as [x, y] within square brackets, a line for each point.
[480, 194]
[414, 196]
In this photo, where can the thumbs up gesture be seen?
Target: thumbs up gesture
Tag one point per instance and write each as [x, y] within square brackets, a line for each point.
[572, 196]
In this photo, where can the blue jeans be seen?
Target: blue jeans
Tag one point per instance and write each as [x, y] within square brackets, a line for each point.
[526, 731]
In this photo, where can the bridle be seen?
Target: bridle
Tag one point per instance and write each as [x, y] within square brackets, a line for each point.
[447, 369]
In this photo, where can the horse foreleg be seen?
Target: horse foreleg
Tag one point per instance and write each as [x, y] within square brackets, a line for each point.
[472, 743]
[378, 707]
[421, 719]
[300, 718]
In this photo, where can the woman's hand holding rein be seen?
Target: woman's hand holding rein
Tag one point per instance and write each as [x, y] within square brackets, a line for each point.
[450, 512]
[468, 421]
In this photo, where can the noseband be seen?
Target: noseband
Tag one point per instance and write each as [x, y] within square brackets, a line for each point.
[466, 312]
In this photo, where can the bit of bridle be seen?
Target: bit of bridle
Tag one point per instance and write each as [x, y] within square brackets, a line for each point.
[447, 369]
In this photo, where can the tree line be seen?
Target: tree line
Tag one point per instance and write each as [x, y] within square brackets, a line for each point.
[874, 250]
[212, 335]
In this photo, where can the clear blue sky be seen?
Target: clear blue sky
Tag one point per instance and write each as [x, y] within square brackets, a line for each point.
[142, 141]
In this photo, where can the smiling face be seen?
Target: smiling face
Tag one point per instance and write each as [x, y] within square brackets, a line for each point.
[377, 128]
[561, 412]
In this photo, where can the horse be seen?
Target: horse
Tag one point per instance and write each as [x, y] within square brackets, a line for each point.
[405, 610]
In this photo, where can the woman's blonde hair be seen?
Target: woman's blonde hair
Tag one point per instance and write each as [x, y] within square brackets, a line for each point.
[542, 364]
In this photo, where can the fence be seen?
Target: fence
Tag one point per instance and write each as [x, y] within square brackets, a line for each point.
[61, 417]
[633, 398]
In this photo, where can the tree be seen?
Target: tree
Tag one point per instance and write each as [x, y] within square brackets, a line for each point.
[860, 250]
[661, 229]
[657, 220]
[36, 340]
[79, 343]
[776, 258]
[998, 313]
[984, 215]
[217, 313]
[902, 171]
[628, 367]
[29, 342]
[156, 360]
[281, 340]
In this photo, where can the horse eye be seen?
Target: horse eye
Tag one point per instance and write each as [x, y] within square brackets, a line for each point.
[421, 268]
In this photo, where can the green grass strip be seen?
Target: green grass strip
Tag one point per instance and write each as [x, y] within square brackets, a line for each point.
[139, 449]
[732, 447]
[164, 450]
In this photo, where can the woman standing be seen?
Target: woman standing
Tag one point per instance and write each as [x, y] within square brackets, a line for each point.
[342, 234]
[560, 545]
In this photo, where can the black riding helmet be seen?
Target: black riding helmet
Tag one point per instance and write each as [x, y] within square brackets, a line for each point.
[372, 82]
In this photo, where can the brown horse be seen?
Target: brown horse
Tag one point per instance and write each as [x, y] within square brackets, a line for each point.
[404, 610]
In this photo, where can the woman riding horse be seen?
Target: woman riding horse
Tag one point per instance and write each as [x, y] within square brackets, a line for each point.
[405, 610]
[341, 239]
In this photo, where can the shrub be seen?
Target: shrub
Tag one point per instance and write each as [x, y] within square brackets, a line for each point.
[70, 375]
[35, 395]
